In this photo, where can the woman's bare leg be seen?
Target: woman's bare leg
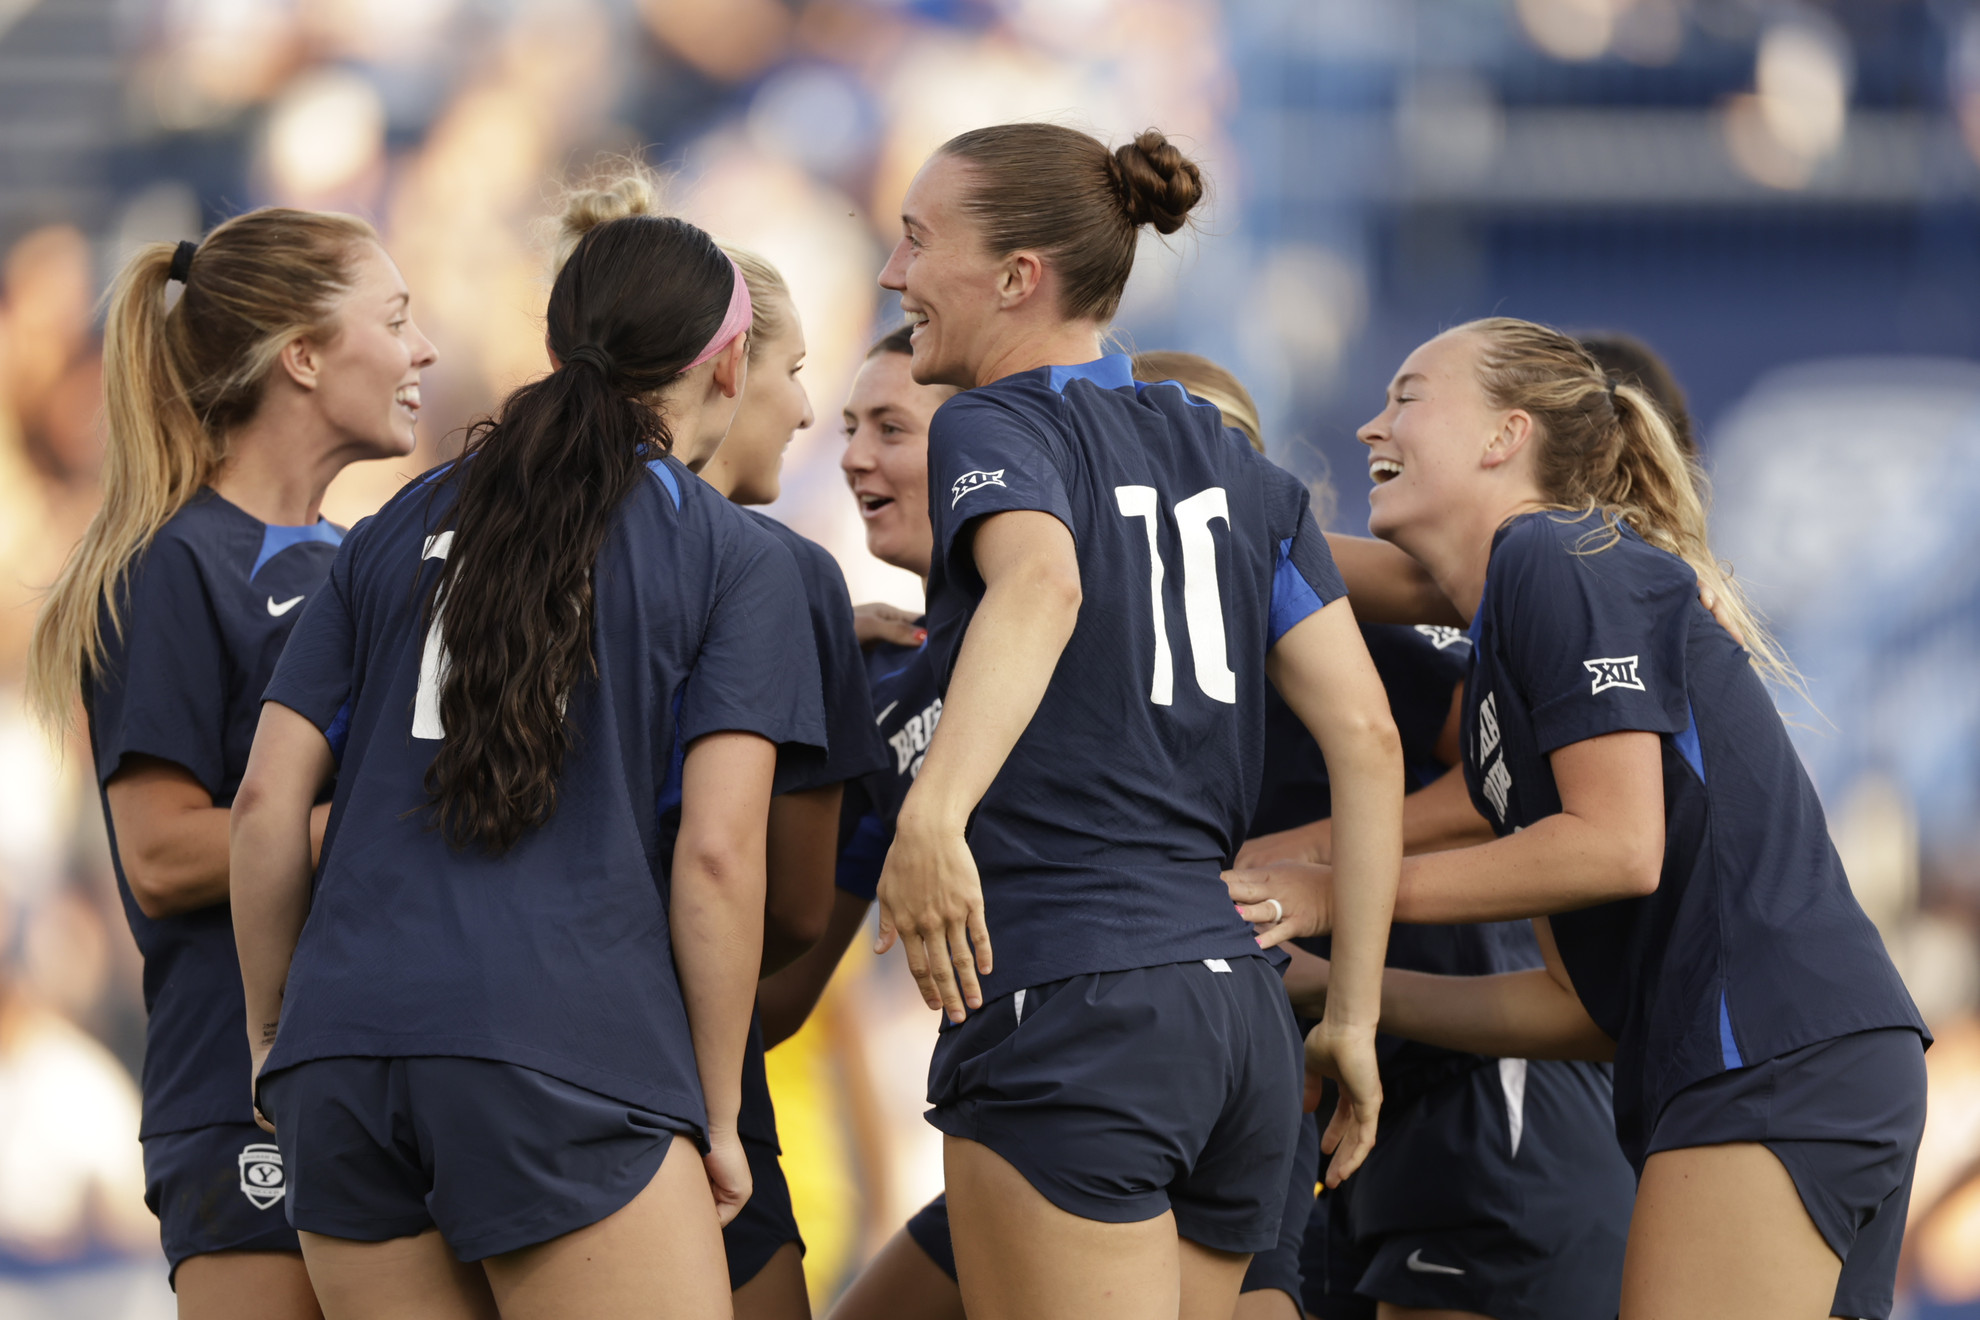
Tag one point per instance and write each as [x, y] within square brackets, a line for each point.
[245, 1285]
[1019, 1257]
[1720, 1233]
[1266, 1304]
[1022, 1258]
[657, 1258]
[778, 1291]
[900, 1283]
[408, 1278]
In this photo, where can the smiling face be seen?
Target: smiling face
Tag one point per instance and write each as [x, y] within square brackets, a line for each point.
[886, 459]
[1434, 446]
[774, 408]
[947, 281]
[369, 367]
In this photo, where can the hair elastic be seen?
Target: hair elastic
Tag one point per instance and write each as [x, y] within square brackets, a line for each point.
[594, 355]
[734, 322]
[182, 257]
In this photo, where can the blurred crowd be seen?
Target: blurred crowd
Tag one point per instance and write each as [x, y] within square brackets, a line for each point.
[1381, 168]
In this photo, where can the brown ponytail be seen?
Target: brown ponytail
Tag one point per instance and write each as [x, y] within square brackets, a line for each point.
[1059, 192]
[1608, 449]
[175, 382]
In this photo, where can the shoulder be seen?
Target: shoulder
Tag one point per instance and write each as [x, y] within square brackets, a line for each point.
[1554, 545]
[813, 559]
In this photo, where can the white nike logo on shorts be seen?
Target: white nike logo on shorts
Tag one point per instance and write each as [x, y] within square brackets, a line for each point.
[1418, 1265]
[279, 610]
[885, 713]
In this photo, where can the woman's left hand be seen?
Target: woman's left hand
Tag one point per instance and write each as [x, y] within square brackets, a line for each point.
[1285, 900]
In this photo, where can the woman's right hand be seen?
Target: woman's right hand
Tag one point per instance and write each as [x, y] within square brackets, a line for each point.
[879, 622]
[728, 1173]
[931, 901]
[1346, 1056]
[1301, 843]
[1284, 901]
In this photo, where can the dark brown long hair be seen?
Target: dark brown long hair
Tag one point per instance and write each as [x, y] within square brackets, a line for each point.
[536, 491]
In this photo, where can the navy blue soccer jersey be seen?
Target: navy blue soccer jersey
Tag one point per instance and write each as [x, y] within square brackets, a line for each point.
[204, 612]
[852, 747]
[1752, 944]
[1421, 669]
[556, 955]
[909, 706]
[1101, 840]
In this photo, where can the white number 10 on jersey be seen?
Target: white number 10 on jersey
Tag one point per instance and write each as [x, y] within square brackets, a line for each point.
[1203, 603]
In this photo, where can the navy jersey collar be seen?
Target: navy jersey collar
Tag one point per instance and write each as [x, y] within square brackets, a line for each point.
[1112, 372]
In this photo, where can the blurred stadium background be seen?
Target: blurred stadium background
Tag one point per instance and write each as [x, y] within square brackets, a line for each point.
[1781, 197]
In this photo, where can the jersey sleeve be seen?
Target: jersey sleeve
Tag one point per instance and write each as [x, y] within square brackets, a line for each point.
[757, 671]
[162, 685]
[1595, 638]
[984, 458]
[317, 672]
[1305, 580]
[852, 743]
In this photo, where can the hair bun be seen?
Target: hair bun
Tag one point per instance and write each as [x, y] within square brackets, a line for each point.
[1159, 185]
[618, 187]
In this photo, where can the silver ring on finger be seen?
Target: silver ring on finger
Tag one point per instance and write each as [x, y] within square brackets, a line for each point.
[1278, 911]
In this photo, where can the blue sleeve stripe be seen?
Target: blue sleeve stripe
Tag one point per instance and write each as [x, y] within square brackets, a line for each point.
[276, 539]
[339, 731]
[658, 467]
[1728, 1047]
[1687, 744]
[1293, 597]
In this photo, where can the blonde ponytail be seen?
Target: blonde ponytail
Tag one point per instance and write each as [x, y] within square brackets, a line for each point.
[175, 383]
[1608, 450]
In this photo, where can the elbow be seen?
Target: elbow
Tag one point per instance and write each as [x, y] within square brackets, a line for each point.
[1640, 868]
[730, 869]
[797, 915]
[151, 886]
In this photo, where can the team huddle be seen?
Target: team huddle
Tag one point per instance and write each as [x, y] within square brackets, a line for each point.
[1436, 924]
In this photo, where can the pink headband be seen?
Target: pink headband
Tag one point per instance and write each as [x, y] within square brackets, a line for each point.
[734, 322]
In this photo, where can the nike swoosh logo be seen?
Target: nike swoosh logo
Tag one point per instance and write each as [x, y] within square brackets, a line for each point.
[882, 716]
[279, 610]
[1418, 1265]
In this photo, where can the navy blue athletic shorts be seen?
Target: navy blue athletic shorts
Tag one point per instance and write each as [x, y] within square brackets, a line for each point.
[1279, 1266]
[496, 1156]
[1845, 1117]
[217, 1188]
[1120, 1095]
[1502, 1192]
[766, 1221]
[929, 1228]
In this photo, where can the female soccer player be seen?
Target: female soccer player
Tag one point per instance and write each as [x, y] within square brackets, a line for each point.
[1093, 763]
[289, 353]
[764, 1248]
[1654, 816]
[486, 1053]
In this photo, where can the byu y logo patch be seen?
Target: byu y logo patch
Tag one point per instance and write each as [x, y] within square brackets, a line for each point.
[1614, 672]
[970, 481]
[262, 1180]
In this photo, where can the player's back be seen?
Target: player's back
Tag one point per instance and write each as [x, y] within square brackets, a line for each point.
[553, 954]
[1104, 833]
